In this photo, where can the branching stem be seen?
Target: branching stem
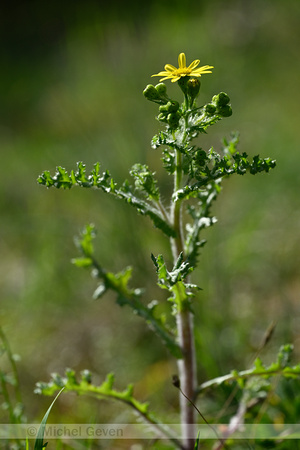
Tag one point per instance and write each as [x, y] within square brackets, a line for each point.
[162, 209]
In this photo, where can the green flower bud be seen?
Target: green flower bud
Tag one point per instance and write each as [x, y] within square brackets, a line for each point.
[163, 108]
[200, 158]
[193, 87]
[151, 93]
[210, 109]
[221, 99]
[172, 106]
[225, 111]
[173, 120]
[161, 89]
[182, 83]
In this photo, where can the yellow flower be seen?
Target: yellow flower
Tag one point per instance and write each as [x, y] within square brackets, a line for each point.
[183, 71]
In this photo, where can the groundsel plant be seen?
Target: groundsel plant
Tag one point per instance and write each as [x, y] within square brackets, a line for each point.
[197, 180]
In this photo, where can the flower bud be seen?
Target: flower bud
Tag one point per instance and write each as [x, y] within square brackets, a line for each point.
[172, 106]
[193, 87]
[161, 88]
[163, 108]
[200, 157]
[151, 93]
[210, 109]
[221, 99]
[182, 83]
[173, 120]
[225, 111]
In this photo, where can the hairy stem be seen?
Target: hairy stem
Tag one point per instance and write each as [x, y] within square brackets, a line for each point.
[186, 365]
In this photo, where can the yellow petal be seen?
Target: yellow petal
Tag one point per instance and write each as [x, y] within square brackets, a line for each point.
[160, 73]
[174, 73]
[181, 61]
[170, 68]
[194, 64]
[207, 67]
[203, 69]
[166, 78]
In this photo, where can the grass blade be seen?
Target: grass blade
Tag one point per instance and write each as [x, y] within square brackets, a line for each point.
[39, 442]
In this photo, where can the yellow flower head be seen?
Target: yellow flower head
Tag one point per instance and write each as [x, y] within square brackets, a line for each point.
[183, 71]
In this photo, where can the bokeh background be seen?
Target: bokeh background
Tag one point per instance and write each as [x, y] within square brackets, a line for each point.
[72, 76]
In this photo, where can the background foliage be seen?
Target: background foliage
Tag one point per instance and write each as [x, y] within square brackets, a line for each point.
[71, 89]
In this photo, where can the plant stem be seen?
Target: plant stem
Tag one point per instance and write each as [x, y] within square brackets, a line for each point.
[13, 364]
[186, 365]
[176, 219]
[187, 376]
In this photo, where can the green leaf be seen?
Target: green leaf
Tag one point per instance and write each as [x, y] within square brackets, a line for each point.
[144, 208]
[168, 159]
[125, 295]
[197, 443]
[84, 386]
[180, 296]
[280, 367]
[165, 138]
[145, 181]
[82, 262]
[61, 178]
[168, 279]
[85, 244]
[284, 355]
[258, 366]
[230, 147]
[173, 281]
[200, 119]
[201, 218]
[39, 442]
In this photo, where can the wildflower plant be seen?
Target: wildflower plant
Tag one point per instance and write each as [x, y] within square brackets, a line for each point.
[197, 182]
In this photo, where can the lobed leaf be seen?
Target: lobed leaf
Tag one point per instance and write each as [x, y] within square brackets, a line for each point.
[119, 283]
[145, 182]
[279, 367]
[84, 386]
[173, 281]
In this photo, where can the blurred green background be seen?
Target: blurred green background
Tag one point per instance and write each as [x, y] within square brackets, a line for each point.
[72, 76]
